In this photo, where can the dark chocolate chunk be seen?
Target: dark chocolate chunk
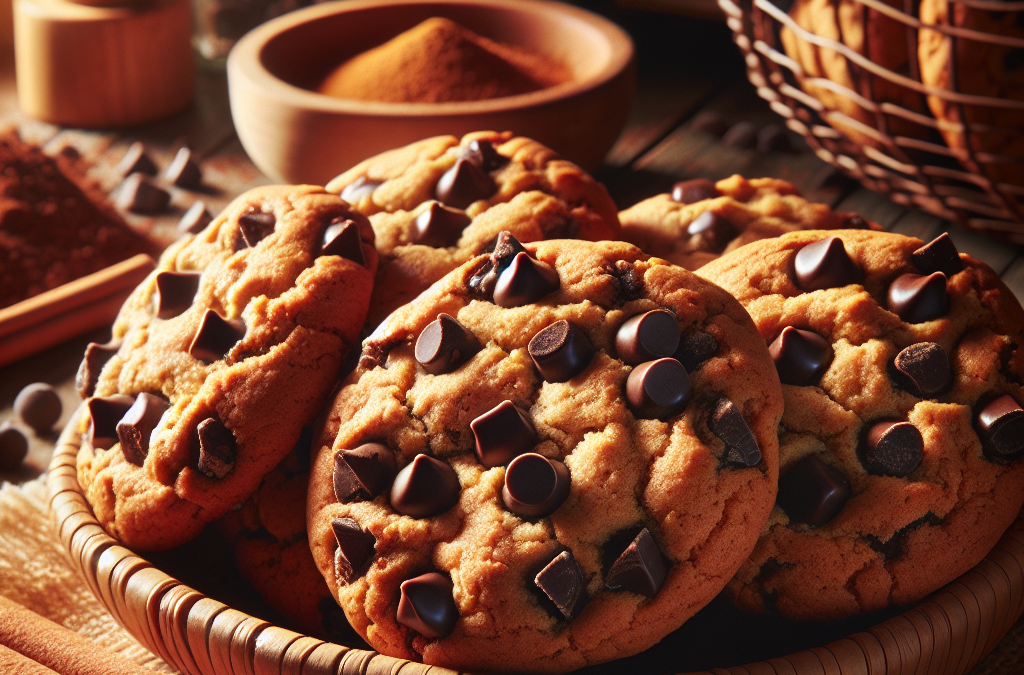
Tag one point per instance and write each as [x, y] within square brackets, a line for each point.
[359, 188]
[444, 345]
[658, 389]
[483, 154]
[183, 171]
[136, 160]
[195, 219]
[640, 569]
[773, 138]
[741, 135]
[727, 423]
[506, 248]
[938, 255]
[692, 191]
[256, 226]
[355, 548]
[695, 348]
[714, 231]
[363, 472]
[217, 448]
[629, 284]
[710, 123]
[427, 605]
[801, 356]
[13, 446]
[464, 184]
[813, 492]
[562, 581]
[646, 337]
[439, 226]
[525, 281]
[1001, 427]
[534, 485]
[502, 433]
[425, 487]
[561, 351]
[96, 356]
[825, 264]
[894, 448]
[175, 292]
[923, 369]
[136, 427]
[855, 221]
[916, 298]
[215, 337]
[139, 195]
[38, 406]
[341, 238]
[104, 414]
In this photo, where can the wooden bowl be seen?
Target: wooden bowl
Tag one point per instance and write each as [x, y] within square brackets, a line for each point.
[296, 135]
[946, 634]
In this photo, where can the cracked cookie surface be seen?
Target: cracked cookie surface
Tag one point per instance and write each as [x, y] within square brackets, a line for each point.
[224, 353]
[663, 507]
[898, 469]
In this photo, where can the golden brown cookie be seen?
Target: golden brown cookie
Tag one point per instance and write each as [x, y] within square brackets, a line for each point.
[584, 439]
[218, 360]
[902, 440]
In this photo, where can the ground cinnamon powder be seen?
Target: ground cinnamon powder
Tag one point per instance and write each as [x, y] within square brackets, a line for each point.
[440, 61]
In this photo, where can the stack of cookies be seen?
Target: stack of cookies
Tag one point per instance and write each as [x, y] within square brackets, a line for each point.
[552, 449]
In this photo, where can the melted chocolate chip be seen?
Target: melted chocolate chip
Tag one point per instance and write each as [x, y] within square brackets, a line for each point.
[923, 369]
[464, 184]
[916, 299]
[561, 351]
[1001, 428]
[640, 569]
[535, 486]
[215, 337]
[801, 357]
[175, 292]
[355, 548]
[483, 154]
[439, 226]
[658, 389]
[136, 160]
[894, 448]
[727, 423]
[136, 427]
[693, 191]
[938, 255]
[694, 349]
[425, 487]
[13, 446]
[563, 582]
[363, 472]
[714, 231]
[825, 264]
[359, 188]
[646, 337]
[183, 171]
[195, 219]
[38, 406]
[217, 449]
[813, 492]
[427, 605]
[96, 356]
[628, 282]
[502, 433]
[341, 238]
[444, 345]
[256, 226]
[524, 282]
[104, 414]
[139, 195]
[506, 248]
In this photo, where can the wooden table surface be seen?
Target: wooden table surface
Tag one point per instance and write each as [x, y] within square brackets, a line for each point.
[685, 67]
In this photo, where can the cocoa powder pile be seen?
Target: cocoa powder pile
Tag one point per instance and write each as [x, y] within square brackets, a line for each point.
[440, 61]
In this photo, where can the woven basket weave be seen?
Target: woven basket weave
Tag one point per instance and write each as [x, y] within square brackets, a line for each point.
[946, 634]
[877, 124]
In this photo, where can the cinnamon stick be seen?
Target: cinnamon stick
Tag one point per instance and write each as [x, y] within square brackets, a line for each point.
[13, 663]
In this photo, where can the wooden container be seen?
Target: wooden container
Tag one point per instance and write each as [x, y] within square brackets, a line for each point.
[947, 634]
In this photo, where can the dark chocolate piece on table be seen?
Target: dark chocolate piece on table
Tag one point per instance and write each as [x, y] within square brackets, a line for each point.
[136, 160]
[439, 226]
[427, 605]
[923, 369]
[341, 238]
[916, 298]
[104, 414]
[256, 226]
[535, 486]
[801, 356]
[714, 230]
[444, 345]
[139, 195]
[561, 351]
[183, 170]
[693, 191]
[425, 487]
[1001, 427]
[502, 433]
[742, 135]
[525, 281]
[137, 425]
[773, 138]
[658, 389]
[195, 219]
[215, 337]
[640, 568]
[38, 406]
[938, 255]
[710, 123]
[13, 446]
[813, 492]
[562, 581]
[355, 548]
[363, 472]
[825, 264]
[464, 184]
[175, 292]
[894, 448]
[646, 337]
[728, 424]
[217, 449]
[96, 356]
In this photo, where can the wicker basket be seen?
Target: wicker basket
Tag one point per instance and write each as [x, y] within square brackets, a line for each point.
[875, 120]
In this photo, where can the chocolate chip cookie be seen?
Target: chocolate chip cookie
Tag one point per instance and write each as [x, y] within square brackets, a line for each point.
[554, 457]
[902, 440]
[437, 203]
[218, 360]
[700, 220]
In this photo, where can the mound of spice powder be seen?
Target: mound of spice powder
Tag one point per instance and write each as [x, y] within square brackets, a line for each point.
[440, 61]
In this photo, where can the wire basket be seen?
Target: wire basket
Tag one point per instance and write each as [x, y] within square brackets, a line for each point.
[922, 100]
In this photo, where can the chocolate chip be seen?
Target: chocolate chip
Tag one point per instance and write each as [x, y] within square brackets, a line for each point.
[195, 219]
[801, 357]
[104, 414]
[359, 188]
[524, 282]
[825, 264]
[139, 195]
[439, 226]
[562, 581]
[727, 423]
[363, 472]
[427, 605]
[561, 351]
[855, 221]
[534, 485]
[916, 298]
[715, 231]
[355, 548]
[695, 348]
[444, 345]
[425, 487]
[628, 282]
[502, 433]
[1001, 427]
[506, 248]
[923, 369]
[693, 191]
[483, 154]
[217, 448]
[256, 226]
[215, 337]
[773, 138]
[464, 184]
[175, 292]
[183, 171]
[894, 448]
[136, 427]
[38, 406]
[640, 569]
[341, 238]
[96, 356]
[741, 135]
[13, 446]
[938, 255]
[646, 337]
[812, 492]
[136, 160]
[710, 123]
[658, 389]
